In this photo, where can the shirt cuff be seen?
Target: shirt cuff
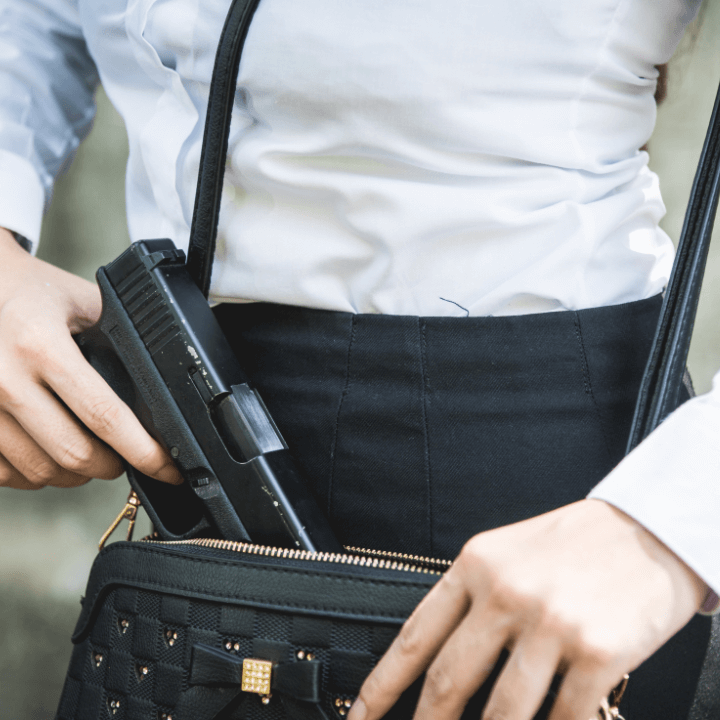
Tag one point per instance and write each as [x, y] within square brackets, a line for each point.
[670, 484]
[22, 197]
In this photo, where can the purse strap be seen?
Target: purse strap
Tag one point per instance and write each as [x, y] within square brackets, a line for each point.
[203, 232]
[660, 388]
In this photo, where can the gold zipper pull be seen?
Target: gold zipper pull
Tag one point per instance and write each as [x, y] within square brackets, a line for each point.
[609, 708]
[129, 512]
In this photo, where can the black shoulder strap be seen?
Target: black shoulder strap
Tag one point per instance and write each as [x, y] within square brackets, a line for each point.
[659, 392]
[203, 232]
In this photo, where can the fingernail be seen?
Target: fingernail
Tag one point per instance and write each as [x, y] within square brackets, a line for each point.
[169, 474]
[358, 711]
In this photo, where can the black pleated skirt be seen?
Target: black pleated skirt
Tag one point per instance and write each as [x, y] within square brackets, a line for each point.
[417, 433]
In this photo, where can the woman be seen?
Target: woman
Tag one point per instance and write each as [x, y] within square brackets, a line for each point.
[451, 240]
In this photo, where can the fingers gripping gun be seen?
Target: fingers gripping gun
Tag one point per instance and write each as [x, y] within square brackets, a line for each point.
[159, 347]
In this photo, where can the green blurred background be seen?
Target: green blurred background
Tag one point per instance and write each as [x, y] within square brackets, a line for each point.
[48, 539]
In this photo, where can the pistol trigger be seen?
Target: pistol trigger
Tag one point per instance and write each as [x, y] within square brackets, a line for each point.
[129, 512]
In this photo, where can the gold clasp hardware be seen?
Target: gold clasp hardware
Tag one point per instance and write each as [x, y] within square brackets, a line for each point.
[609, 708]
[129, 512]
[256, 676]
[607, 713]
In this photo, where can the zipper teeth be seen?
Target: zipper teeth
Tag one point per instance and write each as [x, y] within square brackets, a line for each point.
[355, 556]
[387, 554]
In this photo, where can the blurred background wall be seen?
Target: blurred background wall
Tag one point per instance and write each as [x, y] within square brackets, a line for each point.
[48, 539]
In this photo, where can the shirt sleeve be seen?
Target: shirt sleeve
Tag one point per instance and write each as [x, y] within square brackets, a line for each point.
[670, 483]
[47, 86]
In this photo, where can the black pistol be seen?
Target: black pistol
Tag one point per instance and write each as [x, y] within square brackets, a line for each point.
[160, 348]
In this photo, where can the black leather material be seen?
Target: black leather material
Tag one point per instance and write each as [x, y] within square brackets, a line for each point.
[164, 628]
[153, 611]
[299, 681]
[215, 141]
[329, 589]
[660, 390]
[211, 666]
[203, 703]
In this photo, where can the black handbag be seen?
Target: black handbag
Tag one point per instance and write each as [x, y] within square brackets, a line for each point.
[207, 629]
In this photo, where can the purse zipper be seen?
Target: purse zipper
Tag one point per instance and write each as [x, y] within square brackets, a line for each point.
[363, 557]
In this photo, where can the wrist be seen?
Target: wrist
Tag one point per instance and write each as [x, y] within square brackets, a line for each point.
[13, 241]
[690, 589]
[13, 257]
[22, 241]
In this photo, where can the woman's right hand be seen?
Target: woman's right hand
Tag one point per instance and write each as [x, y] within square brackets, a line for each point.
[41, 443]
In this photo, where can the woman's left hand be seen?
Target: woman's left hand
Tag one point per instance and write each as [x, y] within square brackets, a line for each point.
[584, 591]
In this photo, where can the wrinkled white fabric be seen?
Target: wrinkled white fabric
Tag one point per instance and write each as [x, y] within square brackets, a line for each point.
[406, 157]
[386, 157]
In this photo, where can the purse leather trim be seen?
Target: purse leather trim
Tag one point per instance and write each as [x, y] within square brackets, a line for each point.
[316, 588]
